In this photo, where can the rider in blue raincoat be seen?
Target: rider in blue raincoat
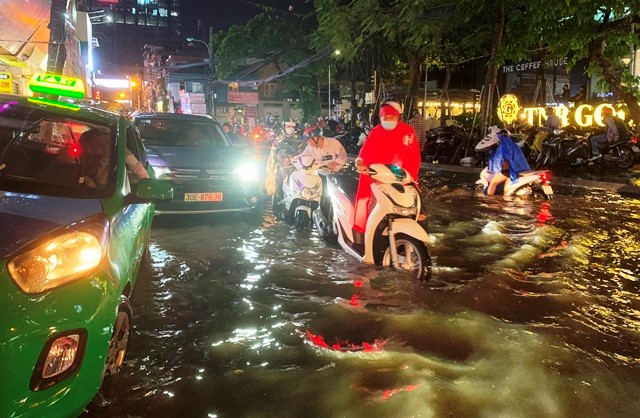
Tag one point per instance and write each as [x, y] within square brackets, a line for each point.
[506, 159]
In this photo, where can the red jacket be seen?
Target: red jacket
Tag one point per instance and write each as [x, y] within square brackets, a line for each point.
[400, 147]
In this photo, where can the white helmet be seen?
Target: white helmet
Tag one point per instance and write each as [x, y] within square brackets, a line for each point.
[490, 140]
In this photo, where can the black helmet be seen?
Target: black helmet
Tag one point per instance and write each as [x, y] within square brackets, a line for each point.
[311, 132]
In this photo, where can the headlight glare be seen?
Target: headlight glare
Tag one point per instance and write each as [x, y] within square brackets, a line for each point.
[247, 172]
[58, 261]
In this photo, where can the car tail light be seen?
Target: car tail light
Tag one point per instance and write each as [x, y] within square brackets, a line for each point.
[60, 357]
[545, 177]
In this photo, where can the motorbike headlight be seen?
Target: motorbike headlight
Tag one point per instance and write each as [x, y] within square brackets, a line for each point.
[247, 172]
[309, 194]
[162, 173]
[401, 210]
[60, 259]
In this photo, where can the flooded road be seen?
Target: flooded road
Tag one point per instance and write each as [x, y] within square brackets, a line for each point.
[533, 311]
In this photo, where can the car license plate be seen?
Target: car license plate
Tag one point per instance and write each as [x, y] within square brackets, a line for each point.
[547, 189]
[203, 197]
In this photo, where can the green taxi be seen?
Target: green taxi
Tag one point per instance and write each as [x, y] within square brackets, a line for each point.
[76, 208]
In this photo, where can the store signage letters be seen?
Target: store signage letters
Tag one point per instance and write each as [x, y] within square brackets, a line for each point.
[584, 115]
[533, 65]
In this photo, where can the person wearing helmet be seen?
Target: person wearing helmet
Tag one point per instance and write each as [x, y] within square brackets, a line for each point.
[506, 159]
[327, 150]
[390, 142]
[613, 126]
[285, 146]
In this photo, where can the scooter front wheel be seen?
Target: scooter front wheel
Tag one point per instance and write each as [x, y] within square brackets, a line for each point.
[302, 220]
[413, 257]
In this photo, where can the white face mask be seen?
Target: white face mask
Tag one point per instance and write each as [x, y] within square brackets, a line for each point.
[389, 125]
[288, 130]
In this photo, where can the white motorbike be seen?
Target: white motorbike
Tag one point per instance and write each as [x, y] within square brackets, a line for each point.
[532, 183]
[393, 237]
[302, 191]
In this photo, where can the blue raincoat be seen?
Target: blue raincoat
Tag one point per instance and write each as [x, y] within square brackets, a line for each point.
[508, 151]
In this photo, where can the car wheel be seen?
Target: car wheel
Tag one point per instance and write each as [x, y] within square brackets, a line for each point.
[118, 344]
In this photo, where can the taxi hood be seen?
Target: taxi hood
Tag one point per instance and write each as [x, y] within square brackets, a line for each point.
[25, 217]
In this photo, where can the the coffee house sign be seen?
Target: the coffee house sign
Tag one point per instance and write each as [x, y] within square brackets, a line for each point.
[584, 115]
[533, 65]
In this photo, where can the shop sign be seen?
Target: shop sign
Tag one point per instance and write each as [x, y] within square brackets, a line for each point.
[584, 116]
[242, 97]
[6, 83]
[533, 65]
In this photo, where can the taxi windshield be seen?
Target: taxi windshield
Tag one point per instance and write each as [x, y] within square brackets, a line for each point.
[173, 132]
[61, 155]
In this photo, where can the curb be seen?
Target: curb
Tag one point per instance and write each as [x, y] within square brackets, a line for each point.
[624, 190]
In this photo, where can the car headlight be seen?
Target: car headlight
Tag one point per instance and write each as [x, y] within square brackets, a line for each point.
[247, 172]
[60, 259]
[162, 173]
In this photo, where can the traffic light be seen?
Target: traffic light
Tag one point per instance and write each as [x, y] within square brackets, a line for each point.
[96, 94]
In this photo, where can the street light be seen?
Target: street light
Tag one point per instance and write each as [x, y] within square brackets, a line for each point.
[191, 40]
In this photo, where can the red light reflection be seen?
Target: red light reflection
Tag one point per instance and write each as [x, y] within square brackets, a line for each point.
[345, 346]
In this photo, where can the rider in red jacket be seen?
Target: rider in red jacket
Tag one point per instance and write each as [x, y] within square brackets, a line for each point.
[391, 142]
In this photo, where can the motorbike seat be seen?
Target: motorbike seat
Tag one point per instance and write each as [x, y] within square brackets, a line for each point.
[347, 183]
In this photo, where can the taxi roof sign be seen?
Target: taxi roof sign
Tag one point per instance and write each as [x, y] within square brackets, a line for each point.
[54, 84]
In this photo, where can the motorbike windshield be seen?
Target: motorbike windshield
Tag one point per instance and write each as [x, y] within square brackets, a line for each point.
[42, 152]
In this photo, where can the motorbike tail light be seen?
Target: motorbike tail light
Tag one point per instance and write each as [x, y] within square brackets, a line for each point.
[545, 177]
[634, 140]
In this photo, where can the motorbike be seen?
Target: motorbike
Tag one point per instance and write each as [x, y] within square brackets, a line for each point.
[393, 236]
[302, 190]
[575, 151]
[531, 183]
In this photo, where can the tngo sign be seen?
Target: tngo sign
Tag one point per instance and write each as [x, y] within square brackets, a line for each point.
[585, 115]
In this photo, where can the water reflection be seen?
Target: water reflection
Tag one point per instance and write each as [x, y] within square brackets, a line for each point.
[533, 311]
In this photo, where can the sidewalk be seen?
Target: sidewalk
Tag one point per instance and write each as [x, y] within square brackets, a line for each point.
[626, 186]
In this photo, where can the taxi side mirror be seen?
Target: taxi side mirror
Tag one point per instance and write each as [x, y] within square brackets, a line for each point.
[151, 191]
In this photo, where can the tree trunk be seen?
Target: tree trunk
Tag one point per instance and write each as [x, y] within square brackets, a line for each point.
[414, 82]
[491, 79]
[444, 97]
[614, 79]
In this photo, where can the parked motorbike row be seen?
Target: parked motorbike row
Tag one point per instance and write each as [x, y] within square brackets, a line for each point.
[568, 147]
[571, 148]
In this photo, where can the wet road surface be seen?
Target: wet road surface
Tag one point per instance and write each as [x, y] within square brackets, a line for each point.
[533, 311]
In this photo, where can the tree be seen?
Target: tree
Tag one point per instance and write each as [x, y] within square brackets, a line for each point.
[284, 41]
[600, 32]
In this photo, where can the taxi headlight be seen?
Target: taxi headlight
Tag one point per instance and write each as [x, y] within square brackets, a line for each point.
[59, 259]
[247, 172]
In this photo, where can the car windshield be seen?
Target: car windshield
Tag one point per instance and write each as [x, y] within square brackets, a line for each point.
[43, 152]
[175, 132]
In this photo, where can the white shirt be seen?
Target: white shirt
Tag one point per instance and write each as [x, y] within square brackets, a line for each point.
[331, 152]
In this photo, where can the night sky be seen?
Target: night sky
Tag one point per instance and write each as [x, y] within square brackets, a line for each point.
[221, 14]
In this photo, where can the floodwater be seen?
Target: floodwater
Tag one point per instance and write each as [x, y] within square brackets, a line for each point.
[533, 311]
